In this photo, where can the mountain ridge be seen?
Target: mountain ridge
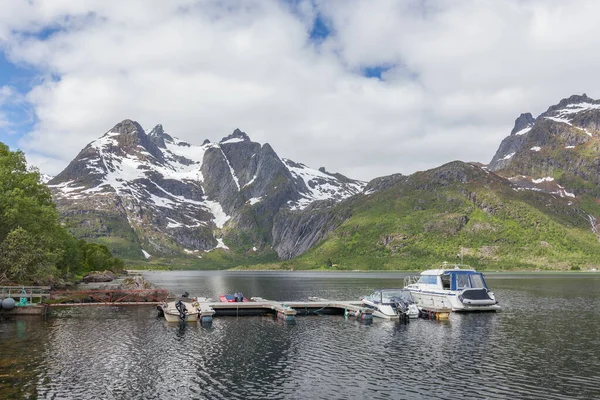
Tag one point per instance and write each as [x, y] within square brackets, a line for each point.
[236, 201]
[176, 198]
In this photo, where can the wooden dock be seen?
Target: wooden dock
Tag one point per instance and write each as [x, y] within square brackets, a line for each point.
[286, 311]
[35, 300]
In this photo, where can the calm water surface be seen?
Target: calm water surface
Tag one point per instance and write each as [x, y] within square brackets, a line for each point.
[544, 345]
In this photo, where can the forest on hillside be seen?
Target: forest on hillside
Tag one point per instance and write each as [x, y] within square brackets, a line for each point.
[35, 247]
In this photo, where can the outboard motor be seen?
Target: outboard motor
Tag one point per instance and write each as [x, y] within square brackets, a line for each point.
[399, 304]
[182, 310]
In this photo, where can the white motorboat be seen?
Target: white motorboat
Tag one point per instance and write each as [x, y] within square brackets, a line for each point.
[391, 304]
[181, 310]
[461, 289]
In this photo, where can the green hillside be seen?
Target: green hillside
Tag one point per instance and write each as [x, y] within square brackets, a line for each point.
[431, 215]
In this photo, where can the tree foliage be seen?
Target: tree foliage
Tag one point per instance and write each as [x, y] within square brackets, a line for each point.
[34, 246]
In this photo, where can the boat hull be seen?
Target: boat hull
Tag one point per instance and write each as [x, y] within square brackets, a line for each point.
[382, 311]
[170, 317]
[432, 300]
[172, 314]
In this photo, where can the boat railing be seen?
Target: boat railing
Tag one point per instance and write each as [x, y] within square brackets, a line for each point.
[410, 280]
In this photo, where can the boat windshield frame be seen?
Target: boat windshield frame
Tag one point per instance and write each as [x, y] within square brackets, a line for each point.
[384, 296]
[466, 279]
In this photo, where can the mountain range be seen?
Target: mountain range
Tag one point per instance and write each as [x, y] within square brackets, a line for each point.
[152, 196]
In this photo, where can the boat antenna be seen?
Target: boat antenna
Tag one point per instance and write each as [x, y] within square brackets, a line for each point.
[461, 255]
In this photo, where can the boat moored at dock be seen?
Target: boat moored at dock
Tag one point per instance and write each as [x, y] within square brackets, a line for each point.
[391, 304]
[461, 289]
[184, 309]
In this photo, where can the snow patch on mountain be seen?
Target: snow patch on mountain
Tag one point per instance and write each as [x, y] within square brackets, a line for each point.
[579, 107]
[155, 183]
[320, 185]
[523, 131]
[220, 217]
[235, 178]
[44, 178]
[558, 119]
[546, 184]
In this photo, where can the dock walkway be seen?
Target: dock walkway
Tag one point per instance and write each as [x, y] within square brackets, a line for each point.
[286, 311]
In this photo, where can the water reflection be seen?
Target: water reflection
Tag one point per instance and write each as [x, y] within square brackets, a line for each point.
[544, 345]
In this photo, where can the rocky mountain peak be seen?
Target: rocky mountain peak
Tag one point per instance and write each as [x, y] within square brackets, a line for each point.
[128, 127]
[236, 136]
[128, 137]
[158, 136]
[524, 121]
[570, 101]
[158, 130]
[561, 142]
[165, 196]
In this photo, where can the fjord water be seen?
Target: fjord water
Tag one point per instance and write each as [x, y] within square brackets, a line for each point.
[545, 344]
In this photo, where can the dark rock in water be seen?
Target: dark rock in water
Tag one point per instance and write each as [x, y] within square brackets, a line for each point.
[97, 276]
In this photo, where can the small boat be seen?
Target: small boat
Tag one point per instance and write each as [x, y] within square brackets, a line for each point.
[233, 298]
[391, 304]
[184, 309]
[461, 289]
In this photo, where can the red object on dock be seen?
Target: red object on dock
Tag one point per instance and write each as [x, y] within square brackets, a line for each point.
[233, 298]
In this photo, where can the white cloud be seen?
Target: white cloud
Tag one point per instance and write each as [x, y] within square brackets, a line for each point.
[460, 73]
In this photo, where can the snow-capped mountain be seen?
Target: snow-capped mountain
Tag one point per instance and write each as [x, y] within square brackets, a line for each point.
[155, 195]
[557, 151]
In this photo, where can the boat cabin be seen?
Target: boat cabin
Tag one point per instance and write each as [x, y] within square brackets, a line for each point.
[452, 279]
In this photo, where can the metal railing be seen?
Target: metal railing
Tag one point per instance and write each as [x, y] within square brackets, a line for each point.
[31, 294]
[123, 296]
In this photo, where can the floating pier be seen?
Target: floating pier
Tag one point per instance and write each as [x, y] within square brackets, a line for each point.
[285, 311]
[23, 300]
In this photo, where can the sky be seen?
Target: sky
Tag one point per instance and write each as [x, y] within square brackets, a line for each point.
[364, 88]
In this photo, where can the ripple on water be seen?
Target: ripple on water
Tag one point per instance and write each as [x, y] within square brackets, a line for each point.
[544, 345]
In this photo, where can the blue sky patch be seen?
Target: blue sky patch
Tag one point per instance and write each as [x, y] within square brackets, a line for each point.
[376, 71]
[16, 115]
[320, 30]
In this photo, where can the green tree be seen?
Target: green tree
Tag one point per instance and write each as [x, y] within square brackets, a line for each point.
[98, 257]
[24, 260]
[34, 245]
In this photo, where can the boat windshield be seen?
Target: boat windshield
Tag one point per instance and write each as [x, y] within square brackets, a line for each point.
[387, 295]
[428, 279]
[477, 281]
[469, 280]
